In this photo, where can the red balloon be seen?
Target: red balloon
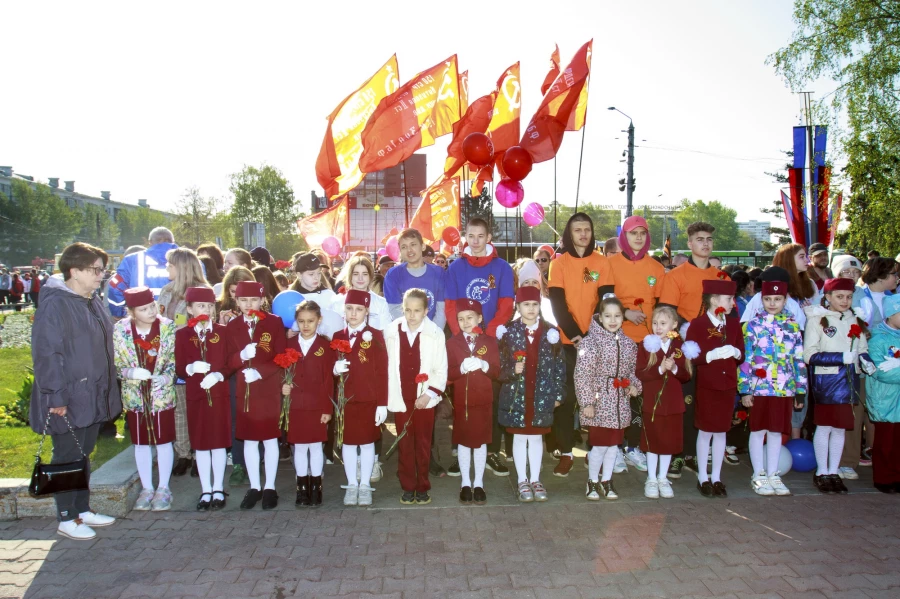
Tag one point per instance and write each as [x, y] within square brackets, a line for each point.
[450, 236]
[478, 149]
[517, 163]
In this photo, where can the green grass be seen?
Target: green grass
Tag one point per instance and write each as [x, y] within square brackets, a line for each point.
[18, 444]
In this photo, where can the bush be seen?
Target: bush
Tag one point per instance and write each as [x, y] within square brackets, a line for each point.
[21, 408]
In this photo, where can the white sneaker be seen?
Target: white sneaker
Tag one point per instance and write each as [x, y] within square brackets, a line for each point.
[636, 458]
[377, 473]
[454, 452]
[847, 473]
[92, 519]
[592, 492]
[760, 484]
[665, 488]
[162, 500]
[620, 466]
[143, 501]
[365, 495]
[351, 497]
[76, 529]
[778, 486]
[651, 488]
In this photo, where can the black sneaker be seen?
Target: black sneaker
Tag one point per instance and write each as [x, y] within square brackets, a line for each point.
[479, 496]
[250, 499]
[691, 464]
[496, 465]
[823, 484]
[435, 468]
[269, 499]
[465, 495]
[408, 497]
[675, 468]
[422, 498]
[453, 470]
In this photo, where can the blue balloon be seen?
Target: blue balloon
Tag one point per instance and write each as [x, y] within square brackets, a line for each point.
[285, 304]
[803, 454]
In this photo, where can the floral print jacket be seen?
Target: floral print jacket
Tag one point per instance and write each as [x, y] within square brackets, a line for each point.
[604, 360]
[774, 343]
[161, 398]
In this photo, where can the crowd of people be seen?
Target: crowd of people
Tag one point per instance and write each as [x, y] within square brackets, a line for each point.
[19, 288]
[665, 367]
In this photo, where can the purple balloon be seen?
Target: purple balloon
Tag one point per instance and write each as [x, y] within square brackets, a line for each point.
[381, 252]
[533, 215]
[510, 193]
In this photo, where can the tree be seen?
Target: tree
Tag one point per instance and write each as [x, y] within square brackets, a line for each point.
[202, 219]
[875, 210]
[136, 223]
[34, 222]
[724, 219]
[97, 228]
[480, 206]
[263, 195]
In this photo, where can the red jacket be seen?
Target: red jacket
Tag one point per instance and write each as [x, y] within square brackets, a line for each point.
[187, 351]
[367, 378]
[672, 399]
[313, 379]
[269, 338]
[479, 384]
[719, 375]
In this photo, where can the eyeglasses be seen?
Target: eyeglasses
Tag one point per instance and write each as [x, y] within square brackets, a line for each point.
[97, 270]
[542, 259]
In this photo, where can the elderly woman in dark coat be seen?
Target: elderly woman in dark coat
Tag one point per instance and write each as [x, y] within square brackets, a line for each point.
[74, 374]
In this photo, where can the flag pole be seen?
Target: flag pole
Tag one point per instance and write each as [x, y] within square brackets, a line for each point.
[555, 203]
[405, 196]
[580, 160]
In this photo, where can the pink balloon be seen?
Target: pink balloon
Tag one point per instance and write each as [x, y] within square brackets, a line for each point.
[510, 193]
[331, 246]
[381, 252]
[393, 249]
[533, 215]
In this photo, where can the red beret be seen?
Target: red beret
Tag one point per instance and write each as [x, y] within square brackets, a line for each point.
[358, 297]
[468, 304]
[775, 288]
[199, 294]
[249, 289]
[138, 296]
[839, 285]
[528, 294]
[719, 287]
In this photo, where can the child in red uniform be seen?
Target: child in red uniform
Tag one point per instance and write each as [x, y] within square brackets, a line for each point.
[366, 386]
[417, 376]
[721, 344]
[663, 365]
[473, 363]
[311, 407]
[201, 360]
[254, 339]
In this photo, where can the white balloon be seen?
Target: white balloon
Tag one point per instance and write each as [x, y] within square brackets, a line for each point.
[785, 459]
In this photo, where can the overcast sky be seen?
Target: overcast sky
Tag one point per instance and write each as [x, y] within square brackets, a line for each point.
[147, 100]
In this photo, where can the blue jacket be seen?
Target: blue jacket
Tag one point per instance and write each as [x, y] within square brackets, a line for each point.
[883, 388]
[143, 268]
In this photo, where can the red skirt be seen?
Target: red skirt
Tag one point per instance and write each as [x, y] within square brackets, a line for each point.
[306, 426]
[477, 429]
[359, 423]
[605, 437]
[261, 421]
[209, 427]
[664, 435]
[713, 410]
[772, 414]
[162, 424]
[834, 415]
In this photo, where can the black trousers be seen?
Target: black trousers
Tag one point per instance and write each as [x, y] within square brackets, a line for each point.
[498, 431]
[633, 432]
[689, 431]
[72, 503]
[564, 415]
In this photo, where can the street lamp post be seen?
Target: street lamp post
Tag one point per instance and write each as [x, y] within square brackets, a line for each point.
[629, 183]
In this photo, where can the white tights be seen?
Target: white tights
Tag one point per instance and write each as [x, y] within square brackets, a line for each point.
[211, 461]
[366, 463]
[604, 457]
[165, 459]
[718, 455]
[662, 460]
[465, 456]
[773, 451]
[829, 445]
[309, 464]
[251, 461]
[528, 449]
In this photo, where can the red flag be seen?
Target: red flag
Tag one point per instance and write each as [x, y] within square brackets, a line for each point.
[476, 120]
[393, 232]
[504, 127]
[544, 133]
[822, 229]
[463, 92]
[438, 210]
[333, 221]
[422, 110]
[554, 70]
[795, 181]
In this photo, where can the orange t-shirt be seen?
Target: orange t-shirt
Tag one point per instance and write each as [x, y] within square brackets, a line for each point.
[637, 280]
[683, 287]
[580, 278]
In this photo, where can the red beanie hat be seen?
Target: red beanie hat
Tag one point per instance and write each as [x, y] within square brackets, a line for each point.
[138, 296]
[724, 286]
[249, 289]
[839, 285]
[468, 304]
[528, 294]
[199, 294]
[358, 297]
[775, 288]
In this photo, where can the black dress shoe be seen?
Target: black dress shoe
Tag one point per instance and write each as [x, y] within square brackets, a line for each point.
[480, 496]
[886, 488]
[302, 491]
[218, 504]
[465, 495]
[719, 489]
[706, 489]
[315, 491]
[204, 503]
[269, 499]
[181, 466]
[837, 484]
[250, 499]
[823, 484]
[194, 472]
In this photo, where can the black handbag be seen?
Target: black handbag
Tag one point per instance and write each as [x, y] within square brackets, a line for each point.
[47, 479]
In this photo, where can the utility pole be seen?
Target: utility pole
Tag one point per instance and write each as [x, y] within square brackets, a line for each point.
[812, 195]
[629, 205]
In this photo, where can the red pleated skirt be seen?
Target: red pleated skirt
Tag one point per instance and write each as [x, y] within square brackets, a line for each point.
[477, 429]
[599, 436]
[260, 422]
[209, 427]
[359, 423]
[664, 435]
[306, 426]
[834, 415]
[162, 424]
[772, 414]
[714, 410]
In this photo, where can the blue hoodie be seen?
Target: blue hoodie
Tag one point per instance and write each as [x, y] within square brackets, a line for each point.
[883, 388]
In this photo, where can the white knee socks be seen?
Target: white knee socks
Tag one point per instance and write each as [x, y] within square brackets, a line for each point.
[718, 456]
[756, 451]
[703, 439]
[348, 454]
[829, 445]
[204, 469]
[595, 462]
[535, 456]
[520, 456]
[835, 449]
[366, 463]
[218, 458]
[316, 459]
[464, 455]
[652, 462]
[609, 462]
[480, 457]
[773, 452]
[664, 461]
[165, 459]
[301, 459]
[271, 449]
[144, 460]
[528, 449]
[251, 460]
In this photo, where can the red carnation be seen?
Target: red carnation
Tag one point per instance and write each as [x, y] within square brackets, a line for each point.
[421, 378]
[478, 331]
[259, 314]
[639, 301]
[143, 344]
[719, 311]
[520, 355]
[341, 346]
[282, 264]
[855, 331]
[741, 415]
[283, 360]
[897, 354]
[722, 275]
[197, 320]
[760, 373]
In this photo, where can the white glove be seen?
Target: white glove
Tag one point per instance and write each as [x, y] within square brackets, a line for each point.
[137, 374]
[161, 380]
[889, 364]
[248, 352]
[211, 379]
[729, 351]
[380, 415]
[849, 357]
[867, 366]
[341, 366]
[470, 364]
[433, 402]
[197, 367]
[736, 352]
[251, 375]
[720, 353]
[484, 365]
